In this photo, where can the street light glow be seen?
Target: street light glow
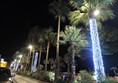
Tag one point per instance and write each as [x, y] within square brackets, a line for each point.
[30, 47]
[15, 60]
[20, 56]
[2, 59]
[96, 12]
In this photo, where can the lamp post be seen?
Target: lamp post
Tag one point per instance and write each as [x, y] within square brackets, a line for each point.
[97, 56]
[30, 47]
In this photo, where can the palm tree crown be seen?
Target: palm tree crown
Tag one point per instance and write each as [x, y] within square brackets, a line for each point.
[83, 10]
[74, 36]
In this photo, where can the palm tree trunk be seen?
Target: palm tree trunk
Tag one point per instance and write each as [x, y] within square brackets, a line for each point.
[72, 63]
[47, 55]
[57, 51]
[39, 58]
[97, 56]
[68, 67]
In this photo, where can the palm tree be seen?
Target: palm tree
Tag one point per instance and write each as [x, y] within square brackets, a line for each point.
[74, 38]
[36, 39]
[24, 61]
[49, 36]
[84, 13]
[59, 8]
[41, 45]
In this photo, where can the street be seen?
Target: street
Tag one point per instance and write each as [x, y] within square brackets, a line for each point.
[22, 79]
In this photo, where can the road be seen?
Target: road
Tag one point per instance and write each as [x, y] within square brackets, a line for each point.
[22, 79]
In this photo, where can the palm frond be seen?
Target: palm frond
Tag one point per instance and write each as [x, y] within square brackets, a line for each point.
[76, 17]
[107, 2]
[105, 14]
[73, 35]
[76, 4]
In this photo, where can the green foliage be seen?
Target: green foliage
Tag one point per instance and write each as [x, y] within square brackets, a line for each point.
[73, 36]
[49, 35]
[83, 9]
[76, 17]
[52, 64]
[43, 75]
[24, 73]
[51, 76]
[86, 77]
[109, 81]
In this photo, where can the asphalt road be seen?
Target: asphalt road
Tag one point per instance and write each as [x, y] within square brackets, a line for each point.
[22, 79]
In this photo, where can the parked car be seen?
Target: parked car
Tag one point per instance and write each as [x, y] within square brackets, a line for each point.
[5, 75]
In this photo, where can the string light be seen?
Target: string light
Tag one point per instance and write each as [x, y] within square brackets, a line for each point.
[97, 56]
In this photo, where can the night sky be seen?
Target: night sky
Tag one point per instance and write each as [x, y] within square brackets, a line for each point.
[17, 20]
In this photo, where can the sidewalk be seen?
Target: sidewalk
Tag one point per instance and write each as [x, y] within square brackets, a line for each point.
[23, 79]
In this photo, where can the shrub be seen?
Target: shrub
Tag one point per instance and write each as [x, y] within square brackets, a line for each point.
[51, 76]
[86, 77]
[24, 73]
[109, 81]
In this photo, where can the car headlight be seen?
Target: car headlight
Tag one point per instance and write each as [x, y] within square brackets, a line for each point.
[10, 79]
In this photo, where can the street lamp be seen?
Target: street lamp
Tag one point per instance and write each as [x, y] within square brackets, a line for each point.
[96, 12]
[97, 56]
[20, 56]
[15, 60]
[30, 47]
[2, 60]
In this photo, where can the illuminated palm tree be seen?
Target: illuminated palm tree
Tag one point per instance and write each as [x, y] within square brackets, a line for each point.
[85, 11]
[24, 60]
[59, 8]
[74, 38]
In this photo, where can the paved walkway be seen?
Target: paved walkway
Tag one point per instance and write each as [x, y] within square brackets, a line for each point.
[23, 79]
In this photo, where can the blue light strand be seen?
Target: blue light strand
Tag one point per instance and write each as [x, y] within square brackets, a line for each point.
[97, 56]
